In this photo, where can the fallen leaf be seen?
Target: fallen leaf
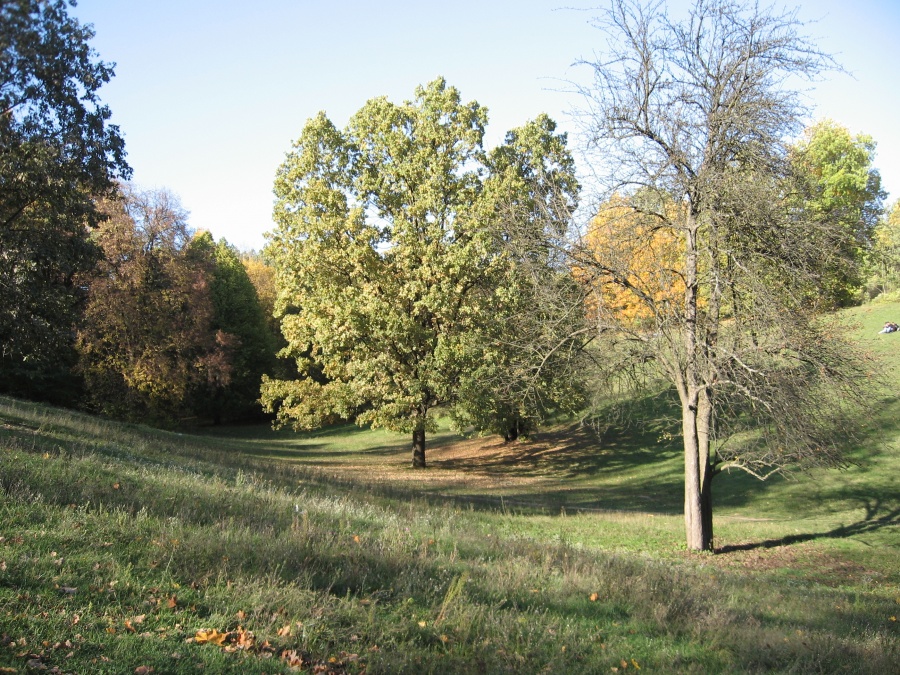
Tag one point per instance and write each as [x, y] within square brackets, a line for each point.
[422, 624]
[211, 636]
[293, 658]
[245, 639]
[143, 670]
[285, 631]
[594, 597]
[172, 603]
[241, 615]
[116, 486]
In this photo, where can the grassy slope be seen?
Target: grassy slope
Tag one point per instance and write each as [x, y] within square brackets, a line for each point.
[118, 544]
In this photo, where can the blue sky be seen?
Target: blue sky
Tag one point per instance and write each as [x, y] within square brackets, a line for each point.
[210, 95]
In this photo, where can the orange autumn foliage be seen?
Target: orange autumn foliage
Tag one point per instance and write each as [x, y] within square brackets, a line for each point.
[634, 263]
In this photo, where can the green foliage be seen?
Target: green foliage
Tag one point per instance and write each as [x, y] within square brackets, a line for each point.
[237, 313]
[390, 268]
[884, 257]
[57, 153]
[843, 188]
[529, 344]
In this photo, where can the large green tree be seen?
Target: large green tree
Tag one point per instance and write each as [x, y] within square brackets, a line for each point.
[58, 152]
[389, 267]
[689, 117]
[840, 186]
[530, 361]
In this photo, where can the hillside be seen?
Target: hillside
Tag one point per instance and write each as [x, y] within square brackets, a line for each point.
[129, 550]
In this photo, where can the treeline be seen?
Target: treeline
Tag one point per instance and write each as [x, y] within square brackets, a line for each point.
[112, 303]
[109, 301]
[172, 328]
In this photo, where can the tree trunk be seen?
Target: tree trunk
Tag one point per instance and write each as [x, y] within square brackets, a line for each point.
[696, 411]
[418, 448]
[514, 430]
[704, 421]
[698, 474]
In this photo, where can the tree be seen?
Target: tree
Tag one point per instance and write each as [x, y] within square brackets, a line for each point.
[689, 120]
[146, 339]
[58, 153]
[840, 185]
[884, 258]
[529, 346]
[389, 272]
[238, 313]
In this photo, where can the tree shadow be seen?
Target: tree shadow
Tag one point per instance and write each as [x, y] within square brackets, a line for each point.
[642, 434]
[878, 516]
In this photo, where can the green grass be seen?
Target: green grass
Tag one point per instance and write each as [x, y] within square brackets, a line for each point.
[118, 543]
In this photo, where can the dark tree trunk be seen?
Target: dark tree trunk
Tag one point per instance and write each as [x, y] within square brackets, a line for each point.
[706, 508]
[516, 428]
[512, 433]
[418, 449]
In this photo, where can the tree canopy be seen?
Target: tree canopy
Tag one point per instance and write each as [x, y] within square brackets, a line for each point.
[390, 272]
[840, 185]
[58, 152]
[238, 313]
[146, 339]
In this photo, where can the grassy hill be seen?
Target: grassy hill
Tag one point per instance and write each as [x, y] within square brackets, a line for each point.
[130, 550]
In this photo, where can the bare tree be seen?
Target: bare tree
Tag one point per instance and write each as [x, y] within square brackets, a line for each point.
[703, 260]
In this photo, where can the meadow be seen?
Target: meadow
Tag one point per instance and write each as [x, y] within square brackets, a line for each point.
[125, 549]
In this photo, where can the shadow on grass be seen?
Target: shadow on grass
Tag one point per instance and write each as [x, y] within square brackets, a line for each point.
[641, 435]
[877, 518]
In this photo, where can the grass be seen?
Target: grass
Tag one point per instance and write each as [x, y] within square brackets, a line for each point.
[122, 547]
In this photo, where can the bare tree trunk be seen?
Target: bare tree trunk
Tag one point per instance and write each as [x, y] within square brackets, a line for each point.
[697, 482]
[696, 412]
[418, 448]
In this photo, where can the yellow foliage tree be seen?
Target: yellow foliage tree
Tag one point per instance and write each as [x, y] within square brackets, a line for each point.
[643, 265]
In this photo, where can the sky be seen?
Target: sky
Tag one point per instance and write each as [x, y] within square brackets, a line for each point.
[210, 95]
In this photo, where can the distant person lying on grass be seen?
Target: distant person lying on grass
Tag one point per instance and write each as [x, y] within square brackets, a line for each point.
[889, 327]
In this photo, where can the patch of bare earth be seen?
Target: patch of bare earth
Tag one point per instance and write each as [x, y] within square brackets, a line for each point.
[477, 464]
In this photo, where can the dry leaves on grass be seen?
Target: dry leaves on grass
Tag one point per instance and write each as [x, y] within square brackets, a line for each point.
[239, 639]
[299, 661]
